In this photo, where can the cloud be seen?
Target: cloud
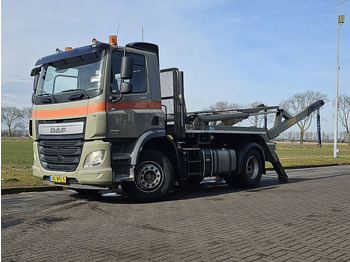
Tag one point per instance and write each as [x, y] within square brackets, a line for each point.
[16, 93]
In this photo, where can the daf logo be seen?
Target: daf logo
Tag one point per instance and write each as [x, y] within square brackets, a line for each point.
[58, 130]
[61, 128]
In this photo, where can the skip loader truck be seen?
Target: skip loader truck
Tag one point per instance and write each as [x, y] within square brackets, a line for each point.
[106, 116]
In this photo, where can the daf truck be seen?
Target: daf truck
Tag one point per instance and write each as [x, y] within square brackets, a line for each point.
[106, 116]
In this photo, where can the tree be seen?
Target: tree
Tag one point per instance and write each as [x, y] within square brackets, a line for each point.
[26, 114]
[224, 106]
[299, 101]
[258, 120]
[11, 116]
[344, 113]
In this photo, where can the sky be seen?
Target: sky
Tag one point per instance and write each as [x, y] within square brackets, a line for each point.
[230, 50]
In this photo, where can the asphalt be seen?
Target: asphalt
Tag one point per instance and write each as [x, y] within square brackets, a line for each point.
[17, 190]
[305, 220]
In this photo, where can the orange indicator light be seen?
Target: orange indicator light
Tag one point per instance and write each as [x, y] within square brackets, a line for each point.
[113, 40]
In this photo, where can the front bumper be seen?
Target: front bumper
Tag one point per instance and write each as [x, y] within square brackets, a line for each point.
[100, 176]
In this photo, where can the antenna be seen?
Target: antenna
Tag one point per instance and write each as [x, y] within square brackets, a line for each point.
[142, 33]
[118, 29]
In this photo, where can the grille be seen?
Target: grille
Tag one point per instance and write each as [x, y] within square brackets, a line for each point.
[60, 155]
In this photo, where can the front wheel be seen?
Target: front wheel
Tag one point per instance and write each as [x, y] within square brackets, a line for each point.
[251, 171]
[153, 178]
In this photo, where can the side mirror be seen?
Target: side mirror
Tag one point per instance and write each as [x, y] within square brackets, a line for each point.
[35, 71]
[36, 80]
[127, 67]
[125, 88]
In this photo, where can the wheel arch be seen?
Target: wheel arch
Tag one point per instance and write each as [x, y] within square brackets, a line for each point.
[166, 146]
[141, 141]
[156, 140]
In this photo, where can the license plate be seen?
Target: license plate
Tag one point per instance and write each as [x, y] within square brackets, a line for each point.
[58, 179]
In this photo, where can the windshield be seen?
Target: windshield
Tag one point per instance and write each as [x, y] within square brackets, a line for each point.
[77, 74]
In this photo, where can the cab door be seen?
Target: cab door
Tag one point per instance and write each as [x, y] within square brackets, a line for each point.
[136, 112]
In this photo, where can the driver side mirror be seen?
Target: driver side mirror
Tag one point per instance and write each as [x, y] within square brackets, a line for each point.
[36, 73]
[36, 80]
[127, 67]
[125, 88]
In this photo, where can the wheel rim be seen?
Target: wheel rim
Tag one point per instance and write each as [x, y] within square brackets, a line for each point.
[252, 167]
[149, 176]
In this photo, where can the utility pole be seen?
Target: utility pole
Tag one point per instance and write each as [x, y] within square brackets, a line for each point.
[341, 19]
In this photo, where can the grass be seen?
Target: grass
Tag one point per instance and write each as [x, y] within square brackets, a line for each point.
[17, 159]
[308, 154]
[16, 163]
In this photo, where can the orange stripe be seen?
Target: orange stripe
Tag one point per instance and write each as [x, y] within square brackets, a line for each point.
[98, 107]
[139, 104]
[70, 111]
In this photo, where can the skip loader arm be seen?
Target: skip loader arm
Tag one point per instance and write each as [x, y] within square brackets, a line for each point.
[283, 121]
[289, 120]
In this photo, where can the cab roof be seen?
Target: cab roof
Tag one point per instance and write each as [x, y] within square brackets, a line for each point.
[89, 49]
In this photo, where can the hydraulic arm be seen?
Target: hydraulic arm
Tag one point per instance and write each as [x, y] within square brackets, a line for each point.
[290, 120]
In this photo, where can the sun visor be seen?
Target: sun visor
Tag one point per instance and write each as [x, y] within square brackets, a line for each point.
[72, 53]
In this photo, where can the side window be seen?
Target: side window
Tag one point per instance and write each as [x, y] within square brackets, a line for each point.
[115, 74]
[138, 80]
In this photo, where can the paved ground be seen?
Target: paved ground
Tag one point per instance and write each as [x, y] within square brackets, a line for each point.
[305, 220]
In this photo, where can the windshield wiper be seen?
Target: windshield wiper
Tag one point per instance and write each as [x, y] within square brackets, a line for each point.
[44, 99]
[79, 90]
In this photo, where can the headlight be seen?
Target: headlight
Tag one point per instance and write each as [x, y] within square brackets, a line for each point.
[94, 158]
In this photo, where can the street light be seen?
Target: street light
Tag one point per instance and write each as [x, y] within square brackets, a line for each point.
[341, 19]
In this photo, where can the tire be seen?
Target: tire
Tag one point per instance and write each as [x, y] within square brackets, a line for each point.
[153, 178]
[251, 171]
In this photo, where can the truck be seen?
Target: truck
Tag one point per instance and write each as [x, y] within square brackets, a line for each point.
[105, 116]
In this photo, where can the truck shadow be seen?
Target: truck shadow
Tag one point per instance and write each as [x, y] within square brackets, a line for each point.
[206, 189]
[268, 182]
[212, 189]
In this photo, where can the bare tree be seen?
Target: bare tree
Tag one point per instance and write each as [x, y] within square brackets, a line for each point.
[344, 113]
[11, 116]
[299, 101]
[26, 114]
[258, 120]
[224, 106]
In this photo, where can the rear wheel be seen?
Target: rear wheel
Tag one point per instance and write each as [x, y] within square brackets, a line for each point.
[251, 171]
[153, 178]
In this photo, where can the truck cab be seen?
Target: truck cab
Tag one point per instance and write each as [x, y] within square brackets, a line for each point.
[88, 115]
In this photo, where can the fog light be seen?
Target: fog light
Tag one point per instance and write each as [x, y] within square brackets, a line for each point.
[94, 158]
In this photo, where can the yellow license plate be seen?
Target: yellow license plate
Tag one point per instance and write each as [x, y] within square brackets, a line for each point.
[58, 179]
